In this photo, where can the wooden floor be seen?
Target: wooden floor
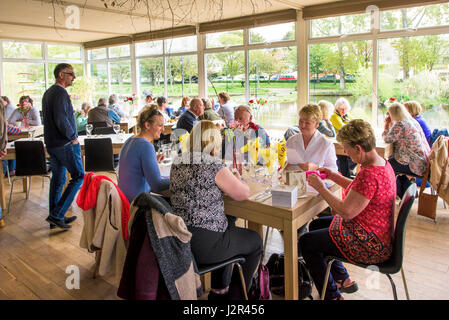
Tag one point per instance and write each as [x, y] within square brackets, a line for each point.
[34, 259]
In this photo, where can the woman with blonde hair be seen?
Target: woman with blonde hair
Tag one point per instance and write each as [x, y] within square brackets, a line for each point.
[339, 118]
[138, 167]
[415, 109]
[410, 147]
[362, 227]
[198, 182]
[325, 126]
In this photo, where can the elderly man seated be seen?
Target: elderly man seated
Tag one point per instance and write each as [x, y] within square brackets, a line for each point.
[244, 121]
[189, 118]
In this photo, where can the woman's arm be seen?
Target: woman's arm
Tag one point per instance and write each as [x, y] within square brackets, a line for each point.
[232, 185]
[328, 132]
[350, 207]
[15, 116]
[35, 119]
[151, 169]
[335, 177]
[392, 135]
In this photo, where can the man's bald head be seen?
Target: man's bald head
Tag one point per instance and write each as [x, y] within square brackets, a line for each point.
[197, 106]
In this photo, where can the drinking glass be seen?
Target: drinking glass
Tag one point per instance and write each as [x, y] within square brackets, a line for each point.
[167, 151]
[116, 128]
[32, 131]
[89, 128]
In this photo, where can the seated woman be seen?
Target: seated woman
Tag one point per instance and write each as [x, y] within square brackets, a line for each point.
[415, 109]
[138, 167]
[362, 228]
[81, 118]
[338, 119]
[185, 104]
[8, 165]
[325, 126]
[25, 113]
[410, 147]
[309, 149]
[198, 181]
[209, 113]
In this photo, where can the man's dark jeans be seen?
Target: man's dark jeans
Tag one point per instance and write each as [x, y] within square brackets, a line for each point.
[64, 158]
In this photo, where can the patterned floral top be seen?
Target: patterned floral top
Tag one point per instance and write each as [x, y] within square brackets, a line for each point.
[367, 238]
[410, 146]
[194, 195]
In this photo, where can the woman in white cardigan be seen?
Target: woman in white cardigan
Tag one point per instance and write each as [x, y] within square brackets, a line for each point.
[309, 149]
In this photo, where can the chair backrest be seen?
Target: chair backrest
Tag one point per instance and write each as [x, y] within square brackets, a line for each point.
[99, 124]
[401, 222]
[30, 158]
[103, 130]
[98, 155]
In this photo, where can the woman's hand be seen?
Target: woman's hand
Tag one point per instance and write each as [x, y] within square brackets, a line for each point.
[160, 157]
[388, 122]
[315, 182]
[2, 153]
[329, 173]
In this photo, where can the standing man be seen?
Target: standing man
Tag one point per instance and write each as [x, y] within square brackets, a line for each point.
[61, 140]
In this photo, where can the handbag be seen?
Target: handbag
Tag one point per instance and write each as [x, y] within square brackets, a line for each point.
[260, 285]
[427, 203]
[275, 266]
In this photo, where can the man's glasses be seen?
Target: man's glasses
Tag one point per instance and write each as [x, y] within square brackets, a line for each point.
[70, 73]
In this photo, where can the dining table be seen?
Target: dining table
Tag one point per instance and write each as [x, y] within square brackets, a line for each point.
[30, 132]
[262, 212]
[129, 124]
[117, 143]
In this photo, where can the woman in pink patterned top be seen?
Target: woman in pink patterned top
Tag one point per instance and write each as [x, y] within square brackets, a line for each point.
[362, 228]
[410, 147]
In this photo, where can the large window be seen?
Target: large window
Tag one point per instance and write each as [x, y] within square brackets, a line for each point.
[182, 78]
[268, 34]
[273, 79]
[417, 17]
[24, 64]
[416, 68]
[151, 77]
[99, 72]
[341, 25]
[224, 39]
[342, 69]
[226, 72]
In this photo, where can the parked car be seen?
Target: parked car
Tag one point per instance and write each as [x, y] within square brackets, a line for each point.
[284, 77]
[328, 77]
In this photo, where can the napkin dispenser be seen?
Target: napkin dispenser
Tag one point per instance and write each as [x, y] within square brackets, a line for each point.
[297, 177]
[284, 196]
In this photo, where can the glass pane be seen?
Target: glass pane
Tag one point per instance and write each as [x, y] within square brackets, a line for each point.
[342, 70]
[99, 72]
[148, 48]
[57, 51]
[24, 79]
[226, 72]
[96, 54]
[78, 88]
[272, 86]
[416, 68]
[120, 51]
[418, 17]
[121, 83]
[336, 26]
[185, 44]
[182, 79]
[151, 78]
[224, 39]
[24, 50]
[279, 32]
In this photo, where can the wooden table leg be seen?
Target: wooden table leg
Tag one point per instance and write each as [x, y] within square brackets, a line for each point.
[25, 184]
[256, 227]
[291, 261]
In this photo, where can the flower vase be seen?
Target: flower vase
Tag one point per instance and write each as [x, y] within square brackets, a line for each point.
[25, 122]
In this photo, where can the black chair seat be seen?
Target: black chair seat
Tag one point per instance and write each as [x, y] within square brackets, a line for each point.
[212, 267]
[103, 130]
[98, 155]
[394, 263]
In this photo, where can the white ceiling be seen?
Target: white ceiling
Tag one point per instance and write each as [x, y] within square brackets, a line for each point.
[48, 20]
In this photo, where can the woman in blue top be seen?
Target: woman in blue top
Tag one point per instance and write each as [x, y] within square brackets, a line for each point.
[414, 108]
[138, 166]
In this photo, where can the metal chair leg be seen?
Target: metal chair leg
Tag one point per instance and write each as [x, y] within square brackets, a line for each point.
[7, 172]
[29, 187]
[326, 278]
[393, 287]
[242, 279]
[405, 284]
[10, 193]
[266, 240]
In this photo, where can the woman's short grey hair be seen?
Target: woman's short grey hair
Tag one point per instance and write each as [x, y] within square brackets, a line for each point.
[85, 106]
[102, 102]
[341, 102]
[113, 99]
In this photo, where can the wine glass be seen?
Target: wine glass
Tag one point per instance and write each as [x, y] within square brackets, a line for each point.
[116, 128]
[89, 128]
[167, 151]
[32, 131]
